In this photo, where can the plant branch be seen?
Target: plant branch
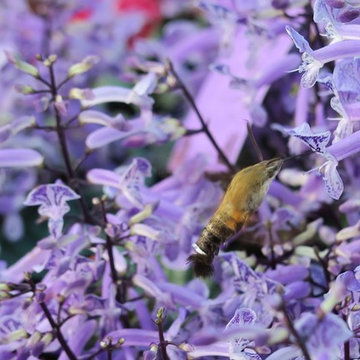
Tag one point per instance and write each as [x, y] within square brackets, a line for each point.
[71, 175]
[323, 264]
[162, 342]
[109, 246]
[294, 332]
[205, 128]
[53, 324]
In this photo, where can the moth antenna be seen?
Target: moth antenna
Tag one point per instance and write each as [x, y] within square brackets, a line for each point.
[253, 141]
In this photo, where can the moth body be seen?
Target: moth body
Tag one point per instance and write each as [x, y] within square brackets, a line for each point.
[243, 197]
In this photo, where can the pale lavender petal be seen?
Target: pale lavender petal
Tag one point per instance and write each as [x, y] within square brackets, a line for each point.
[286, 353]
[316, 141]
[333, 184]
[288, 274]
[349, 281]
[106, 94]
[242, 316]
[217, 349]
[129, 182]
[104, 177]
[105, 136]
[348, 232]
[146, 85]
[296, 290]
[300, 42]
[50, 194]
[55, 227]
[35, 260]
[345, 147]
[52, 199]
[20, 158]
[182, 296]
[326, 335]
[153, 290]
[97, 117]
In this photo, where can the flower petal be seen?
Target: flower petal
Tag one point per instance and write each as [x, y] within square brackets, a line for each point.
[20, 158]
[299, 41]
[333, 184]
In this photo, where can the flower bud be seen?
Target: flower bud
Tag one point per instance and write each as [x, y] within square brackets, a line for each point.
[83, 66]
[22, 65]
[24, 89]
[47, 338]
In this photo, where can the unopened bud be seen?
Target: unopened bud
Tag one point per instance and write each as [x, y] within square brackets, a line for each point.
[335, 295]
[120, 342]
[27, 276]
[159, 315]
[83, 66]
[24, 89]
[35, 338]
[52, 58]
[61, 298]
[4, 287]
[95, 201]
[47, 338]
[22, 65]
[4, 295]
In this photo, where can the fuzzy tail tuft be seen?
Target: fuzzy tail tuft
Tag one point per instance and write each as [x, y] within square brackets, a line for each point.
[201, 264]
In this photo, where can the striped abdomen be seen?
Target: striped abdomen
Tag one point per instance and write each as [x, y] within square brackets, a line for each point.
[220, 228]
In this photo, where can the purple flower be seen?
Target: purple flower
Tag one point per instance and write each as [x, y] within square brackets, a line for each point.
[239, 346]
[323, 336]
[130, 180]
[52, 199]
[314, 60]
[254, 288]
[317, 142]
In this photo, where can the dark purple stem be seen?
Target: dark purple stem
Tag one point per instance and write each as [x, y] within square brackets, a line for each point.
[109, 246]
[109, 354]
[71, 175]
[54, 325]
[162, 343]
[205, 128]
[294, 332]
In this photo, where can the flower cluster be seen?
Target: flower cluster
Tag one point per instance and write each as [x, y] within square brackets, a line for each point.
[122, 123]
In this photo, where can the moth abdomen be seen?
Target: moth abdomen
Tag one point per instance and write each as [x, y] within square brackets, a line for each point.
[207, 247]
[201, 264]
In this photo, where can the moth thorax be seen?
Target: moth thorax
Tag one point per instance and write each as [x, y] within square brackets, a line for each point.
[256, 197]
